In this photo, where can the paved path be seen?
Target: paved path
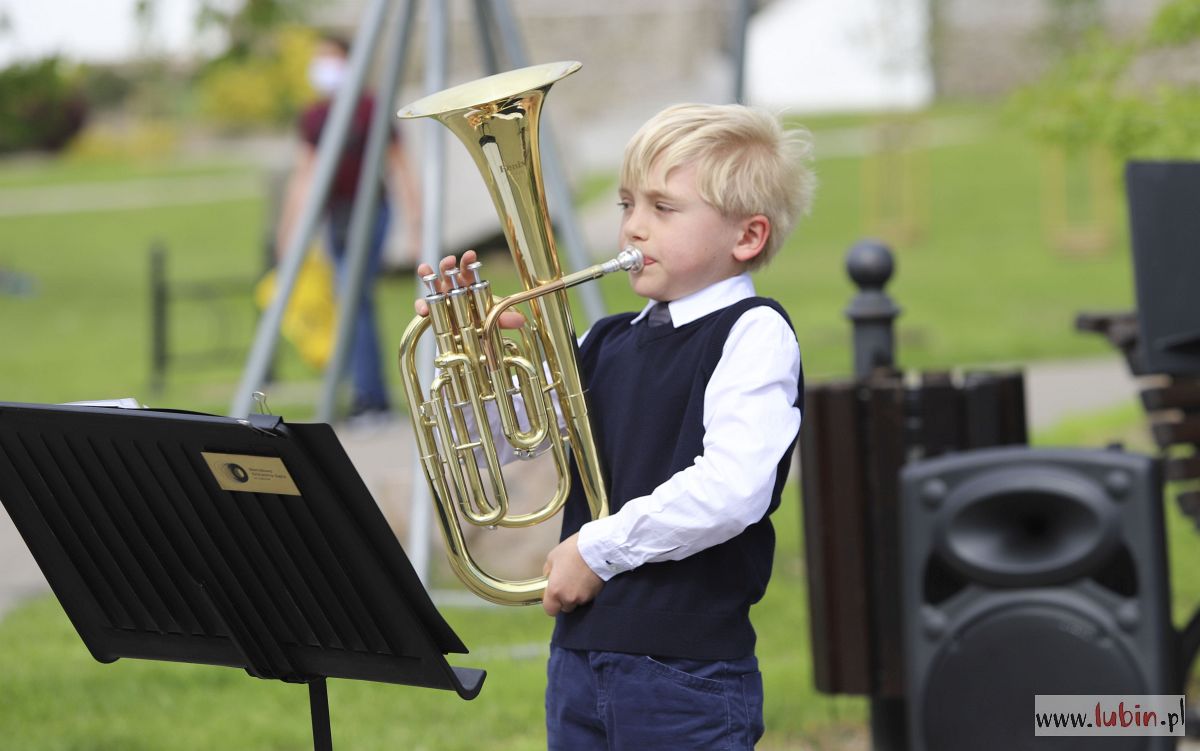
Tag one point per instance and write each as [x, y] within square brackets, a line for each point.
[128, 194]
[1055, 391]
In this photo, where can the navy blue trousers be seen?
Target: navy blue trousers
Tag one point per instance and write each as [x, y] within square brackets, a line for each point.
[614, 701]
[366, 363]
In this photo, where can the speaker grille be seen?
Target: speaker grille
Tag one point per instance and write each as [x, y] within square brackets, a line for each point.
[982, 683]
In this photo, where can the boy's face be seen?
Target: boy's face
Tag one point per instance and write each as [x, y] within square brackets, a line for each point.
[686, 243]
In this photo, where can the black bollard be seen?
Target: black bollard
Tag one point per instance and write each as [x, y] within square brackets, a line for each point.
[872, 312]
[870, 265]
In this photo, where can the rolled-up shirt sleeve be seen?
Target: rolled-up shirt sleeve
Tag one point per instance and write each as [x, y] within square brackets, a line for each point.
[750, 421]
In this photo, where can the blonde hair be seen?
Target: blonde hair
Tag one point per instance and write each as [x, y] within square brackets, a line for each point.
[746, 163]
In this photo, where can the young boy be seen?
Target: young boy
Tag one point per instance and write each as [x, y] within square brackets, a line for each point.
[695, 402]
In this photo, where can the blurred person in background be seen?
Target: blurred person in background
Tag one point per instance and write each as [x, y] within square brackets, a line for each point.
[327, 71]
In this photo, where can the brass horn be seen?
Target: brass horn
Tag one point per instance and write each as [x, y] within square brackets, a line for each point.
[476, 365]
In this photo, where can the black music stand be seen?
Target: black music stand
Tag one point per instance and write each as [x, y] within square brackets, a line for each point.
[246, 543]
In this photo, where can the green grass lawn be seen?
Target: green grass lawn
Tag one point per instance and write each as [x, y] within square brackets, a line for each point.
[978, 283]
[55, 696]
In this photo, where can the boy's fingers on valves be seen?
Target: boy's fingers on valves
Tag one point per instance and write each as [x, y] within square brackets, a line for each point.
[463, 271]
[443, 284]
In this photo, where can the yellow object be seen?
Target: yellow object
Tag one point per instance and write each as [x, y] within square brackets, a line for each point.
[309, 320]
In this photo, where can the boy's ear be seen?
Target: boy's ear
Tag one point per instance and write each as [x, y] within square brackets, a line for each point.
[753, 238]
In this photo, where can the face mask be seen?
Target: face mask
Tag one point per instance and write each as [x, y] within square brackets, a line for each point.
[326, 74]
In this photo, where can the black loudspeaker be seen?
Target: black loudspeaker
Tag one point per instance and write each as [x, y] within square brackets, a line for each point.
[1026, 572]
[1164, 225]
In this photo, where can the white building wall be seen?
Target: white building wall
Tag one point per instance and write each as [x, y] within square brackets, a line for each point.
[840, 55]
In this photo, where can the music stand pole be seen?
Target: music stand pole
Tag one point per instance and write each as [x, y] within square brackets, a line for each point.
[318, 702]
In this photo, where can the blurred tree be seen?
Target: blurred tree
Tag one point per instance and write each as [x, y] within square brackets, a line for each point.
[1069, 24]
[266, 88]
[259, 79]
[249, 25]
[41, 106]
[145, 12]
[1130, 97]
[148, 84]
[1177, 23]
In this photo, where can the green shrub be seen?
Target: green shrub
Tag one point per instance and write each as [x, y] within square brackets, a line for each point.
[41, 107]
[141, 140]
[1098, 96]
[261, 89]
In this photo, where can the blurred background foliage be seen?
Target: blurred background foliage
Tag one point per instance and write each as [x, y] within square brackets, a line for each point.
[256, 81]
[248, 25]
[42, 106]
[264, 88]
[1132, 96]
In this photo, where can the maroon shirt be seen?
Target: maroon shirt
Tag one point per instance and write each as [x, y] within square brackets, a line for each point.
[345, 178]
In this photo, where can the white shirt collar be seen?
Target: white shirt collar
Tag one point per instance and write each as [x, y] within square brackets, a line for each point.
[699, 304]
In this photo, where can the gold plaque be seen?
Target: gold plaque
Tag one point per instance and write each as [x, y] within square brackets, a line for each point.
[243, 473]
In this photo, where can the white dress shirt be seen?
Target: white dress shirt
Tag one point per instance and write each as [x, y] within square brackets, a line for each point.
[749, 423]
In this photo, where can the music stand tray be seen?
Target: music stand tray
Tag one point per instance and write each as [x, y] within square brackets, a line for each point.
[195, 538]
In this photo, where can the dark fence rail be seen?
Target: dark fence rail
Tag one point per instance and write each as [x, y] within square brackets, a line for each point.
[223, 300]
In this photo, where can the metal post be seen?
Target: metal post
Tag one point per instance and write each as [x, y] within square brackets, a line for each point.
[559, 194]
[434, 189]
[741, 21]
[329, 149]
[158, 317]
[870, 265]
[487, 44]
[363, 215]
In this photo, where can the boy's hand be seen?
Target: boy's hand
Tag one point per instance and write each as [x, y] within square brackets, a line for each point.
[510, 319]
[571, 583]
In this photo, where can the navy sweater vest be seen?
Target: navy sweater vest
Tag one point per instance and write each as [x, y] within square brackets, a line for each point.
[646, 395]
